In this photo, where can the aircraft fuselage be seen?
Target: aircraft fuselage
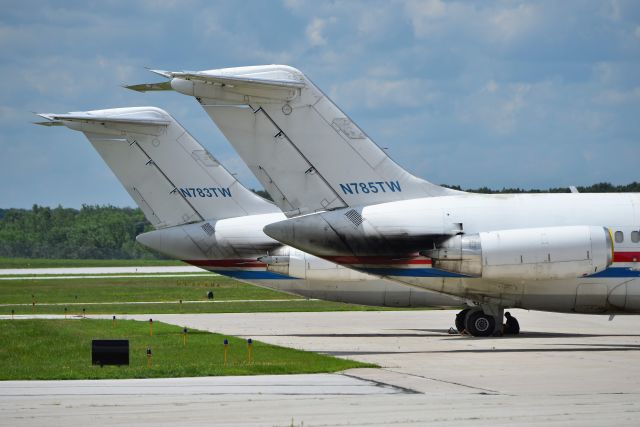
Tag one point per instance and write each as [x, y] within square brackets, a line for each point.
[387, 240]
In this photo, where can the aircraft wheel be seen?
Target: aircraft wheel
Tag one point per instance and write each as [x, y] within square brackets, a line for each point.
[479, 324]
[460, 318]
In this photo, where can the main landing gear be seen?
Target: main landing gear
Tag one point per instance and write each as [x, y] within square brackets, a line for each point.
[480, 322]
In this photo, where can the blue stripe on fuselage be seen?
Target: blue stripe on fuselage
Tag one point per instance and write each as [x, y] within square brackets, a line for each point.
[434, 272]
[617, 272]
[410, 272]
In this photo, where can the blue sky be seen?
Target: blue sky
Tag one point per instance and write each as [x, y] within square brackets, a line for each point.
[498, 94]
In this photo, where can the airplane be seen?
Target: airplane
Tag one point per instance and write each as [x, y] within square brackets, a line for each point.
[205, 217]
[348, 202]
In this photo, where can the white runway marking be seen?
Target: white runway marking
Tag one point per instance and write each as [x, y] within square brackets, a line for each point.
[100, 270]
[108, 276]
[300, 385]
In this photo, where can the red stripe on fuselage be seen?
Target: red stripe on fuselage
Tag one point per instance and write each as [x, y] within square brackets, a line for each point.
[626, 257]
[378, 260]
[363, 260]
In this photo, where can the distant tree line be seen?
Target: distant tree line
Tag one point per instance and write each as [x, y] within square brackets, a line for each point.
[93, 232]
[601, 187]
[108, 232]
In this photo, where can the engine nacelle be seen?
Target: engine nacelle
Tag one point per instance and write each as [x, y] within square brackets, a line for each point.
[527, 254]
[295, 263]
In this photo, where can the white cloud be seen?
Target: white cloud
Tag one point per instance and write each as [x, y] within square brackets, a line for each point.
[470, 77]
[496, 106]
[375, 93]
[314, 32]
[476, 23]
[374, 22]
[424, 16]
[383, 71]
[208, 23]
[507, 25]
[616, 97]
[293, 4]
[614, 10]
[9, 115]
[491, 86]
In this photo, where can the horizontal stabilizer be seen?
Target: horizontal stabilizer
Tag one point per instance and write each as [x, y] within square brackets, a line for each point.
[241, 82]
[236, 80]
[49, 123]
[57, 119]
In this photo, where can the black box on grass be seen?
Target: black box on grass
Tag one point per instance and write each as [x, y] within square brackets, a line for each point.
[110, 352]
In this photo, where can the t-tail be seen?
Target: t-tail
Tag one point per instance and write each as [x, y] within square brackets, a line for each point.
[306, 152]
[177, 183]
[169, 175]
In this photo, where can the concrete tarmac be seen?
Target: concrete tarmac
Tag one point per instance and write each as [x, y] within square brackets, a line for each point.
[562, 370]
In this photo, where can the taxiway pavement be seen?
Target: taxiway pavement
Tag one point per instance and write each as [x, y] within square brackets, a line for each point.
[562, 370]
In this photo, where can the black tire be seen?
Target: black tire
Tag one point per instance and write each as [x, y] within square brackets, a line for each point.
[460, 318]
[479, 324]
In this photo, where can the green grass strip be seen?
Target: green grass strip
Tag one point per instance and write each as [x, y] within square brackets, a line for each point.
[265, 306]
[70, 263]
[61, 349]
[130, 289]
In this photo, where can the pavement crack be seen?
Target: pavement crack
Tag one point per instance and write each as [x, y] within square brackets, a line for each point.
[382, 384]
[482, 390]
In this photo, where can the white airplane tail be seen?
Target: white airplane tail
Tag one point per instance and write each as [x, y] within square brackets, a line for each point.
[305, 151]
[171, 177]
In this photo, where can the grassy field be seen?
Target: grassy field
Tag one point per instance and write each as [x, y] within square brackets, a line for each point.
[69, 263]
[157, 294]
[264, 306]
[129, 289]
[61, 349]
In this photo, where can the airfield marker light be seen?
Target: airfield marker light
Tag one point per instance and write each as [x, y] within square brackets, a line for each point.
[184, 336]
[150, 327]
[250, 350]
[12, 312]
[113, 322]
[65, 312]
[149, 357]
[84, 312]
[226, 349]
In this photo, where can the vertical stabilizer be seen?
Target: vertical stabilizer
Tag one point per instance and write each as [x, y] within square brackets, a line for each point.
[171, 177]
[306, 152]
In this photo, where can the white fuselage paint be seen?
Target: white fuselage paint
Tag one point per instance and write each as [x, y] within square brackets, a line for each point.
[232, 246]
[389, 226]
